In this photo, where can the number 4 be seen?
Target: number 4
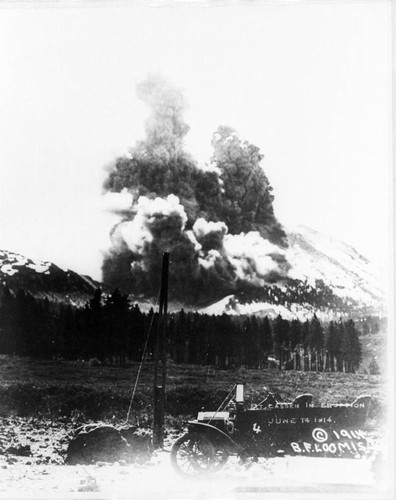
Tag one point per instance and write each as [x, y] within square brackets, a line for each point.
[256, 428]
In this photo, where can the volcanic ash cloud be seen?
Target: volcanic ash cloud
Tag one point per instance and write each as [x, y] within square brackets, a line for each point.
[217, 222]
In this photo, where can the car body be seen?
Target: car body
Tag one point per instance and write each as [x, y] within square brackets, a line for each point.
[272, 429]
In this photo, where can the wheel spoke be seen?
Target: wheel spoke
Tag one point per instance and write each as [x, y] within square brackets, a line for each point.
[195, 454]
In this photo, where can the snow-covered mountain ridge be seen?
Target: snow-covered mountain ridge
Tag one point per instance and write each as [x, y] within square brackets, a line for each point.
[315, 256]
[43, 279]
[326, 277]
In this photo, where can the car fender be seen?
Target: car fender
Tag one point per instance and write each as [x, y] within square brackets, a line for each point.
[215, 432]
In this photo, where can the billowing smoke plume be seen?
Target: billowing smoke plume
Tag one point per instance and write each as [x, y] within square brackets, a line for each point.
[217, 222]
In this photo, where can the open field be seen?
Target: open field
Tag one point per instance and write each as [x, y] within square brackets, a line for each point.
[79, 391]
[43, 402]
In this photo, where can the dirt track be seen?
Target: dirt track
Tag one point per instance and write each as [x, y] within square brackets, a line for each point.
[22, 479]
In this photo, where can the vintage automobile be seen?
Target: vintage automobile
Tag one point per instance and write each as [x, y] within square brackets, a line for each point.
[270, 429]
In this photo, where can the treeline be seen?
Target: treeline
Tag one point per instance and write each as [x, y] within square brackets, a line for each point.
[110, 329]
[254, 342]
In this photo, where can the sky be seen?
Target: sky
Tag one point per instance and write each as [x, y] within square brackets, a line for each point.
[308, 82]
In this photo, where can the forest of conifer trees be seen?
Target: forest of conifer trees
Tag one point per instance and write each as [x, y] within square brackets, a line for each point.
[111, 330]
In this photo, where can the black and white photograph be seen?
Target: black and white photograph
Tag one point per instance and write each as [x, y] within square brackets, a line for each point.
[196, 249]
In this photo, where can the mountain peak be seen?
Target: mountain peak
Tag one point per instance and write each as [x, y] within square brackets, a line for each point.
[11, 263]
[327, 277]
[44, 279]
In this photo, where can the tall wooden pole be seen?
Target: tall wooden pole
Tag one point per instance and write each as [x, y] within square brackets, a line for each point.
[160, 356]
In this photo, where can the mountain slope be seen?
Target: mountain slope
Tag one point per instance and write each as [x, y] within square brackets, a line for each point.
[44, 279]
[315, 256]
[327, 277]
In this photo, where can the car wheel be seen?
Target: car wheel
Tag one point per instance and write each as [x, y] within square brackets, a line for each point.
[196, 453]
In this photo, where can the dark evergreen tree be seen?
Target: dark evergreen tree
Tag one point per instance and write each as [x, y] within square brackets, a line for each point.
[223, 341]
[7, 321]
[138, 334]
[76, 345]
[266, 343]
[251, 333]
[340, 364]
[351, 347]
[296, 342]
[116, 317]
[333, 345]
[97, 343]
[316, 342]
[25, 325]
[280, 332]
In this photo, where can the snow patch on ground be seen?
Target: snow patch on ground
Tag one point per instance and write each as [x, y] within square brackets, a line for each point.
[8, 269]
[217, 308]
[232, 306]
[39, 268]
[21, 261]
[338, 254]
[263, 309]
[11, 263]
[315, 256]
